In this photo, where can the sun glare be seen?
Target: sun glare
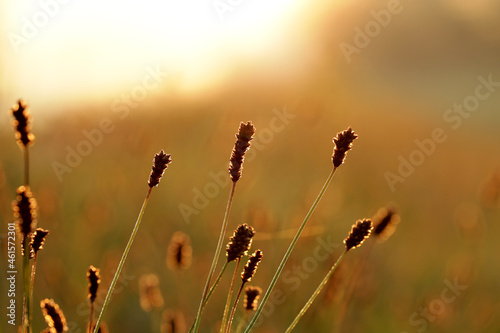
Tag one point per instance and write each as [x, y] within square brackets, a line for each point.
[94, 48]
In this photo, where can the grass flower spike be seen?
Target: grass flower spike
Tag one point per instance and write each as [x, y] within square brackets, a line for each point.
[359, 233]
[179, 252]
[22, 119]
[252, 295]
[385, 222]
[240, 242]
[94, 277]
[246, 276]
[172, 322]
[343, 143]
[150, 293]
[38, 240]
[241, 145]
[25, 211]
[53, 316]
[243, 138]
[160, 163]
[251, 266]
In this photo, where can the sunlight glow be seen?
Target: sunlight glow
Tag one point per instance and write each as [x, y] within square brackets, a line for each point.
[92, 47]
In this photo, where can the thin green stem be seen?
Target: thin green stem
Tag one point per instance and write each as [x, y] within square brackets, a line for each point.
[91, 317]
[212, 289]
[215, 285]
[315, 294]
[229, 296]
[26, 284]
[350, 289]
[122, 260]
[289, 251]
[32, 284]
[215, 259]
[233, 310]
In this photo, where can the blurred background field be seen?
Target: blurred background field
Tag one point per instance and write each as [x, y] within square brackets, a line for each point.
[293, 81]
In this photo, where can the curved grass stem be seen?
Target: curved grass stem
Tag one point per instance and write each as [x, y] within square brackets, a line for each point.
[194, 327]
[26, 285]
[229, 297]
[122, 260]
[289, 251]
[32, 284]
[215, 285]
[233, 310]
[315, 294]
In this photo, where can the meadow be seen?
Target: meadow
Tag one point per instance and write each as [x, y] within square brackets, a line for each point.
[446, 237]
[109, 85]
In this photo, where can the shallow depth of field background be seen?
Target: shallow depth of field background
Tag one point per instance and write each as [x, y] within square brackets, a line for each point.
[261, 61]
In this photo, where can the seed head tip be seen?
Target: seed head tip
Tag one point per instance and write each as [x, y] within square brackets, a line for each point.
[343, 143]
[251, 266]
[22, 119]
[245, 134]
[359, 232]
[160, 164]
[240, 242]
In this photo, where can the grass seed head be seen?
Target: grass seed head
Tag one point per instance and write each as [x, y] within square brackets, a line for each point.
[343, 143]
[359, 232]
[240, 242]
[245, 134]
[179, 252]
[22, 119]
[94, 277]
[385, 222]
[38, 240]
[252, 295]
[251, 266]
[173, 322]
[25, 211]
[150, 294]
[160, 164]
[53, 316]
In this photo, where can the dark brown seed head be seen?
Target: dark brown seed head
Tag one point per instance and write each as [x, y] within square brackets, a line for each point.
[173, 322]
[94, 278]
[251, 266]
[150, 293]
[53, 316]
[38, 240]
[25, 211]
[241, 145]
[252, 295]
[240, 242]
[359, 232]
[22, 124]
[385, 222]
[343, 143]
[179, 252]
[160, 164]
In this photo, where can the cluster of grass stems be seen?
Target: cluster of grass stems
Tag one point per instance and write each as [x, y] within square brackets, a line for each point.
[237, 248]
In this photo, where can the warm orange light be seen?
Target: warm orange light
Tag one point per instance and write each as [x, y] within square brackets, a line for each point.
[95, 48]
